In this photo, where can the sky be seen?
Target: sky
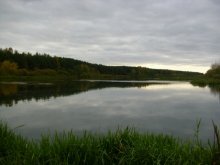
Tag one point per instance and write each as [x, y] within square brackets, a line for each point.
[167, 34]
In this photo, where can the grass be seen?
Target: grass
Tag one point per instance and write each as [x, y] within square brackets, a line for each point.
[125, 146]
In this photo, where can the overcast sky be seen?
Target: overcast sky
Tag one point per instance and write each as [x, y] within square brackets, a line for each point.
[172, 34]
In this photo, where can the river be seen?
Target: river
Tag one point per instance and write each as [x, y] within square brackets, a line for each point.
[168, 107]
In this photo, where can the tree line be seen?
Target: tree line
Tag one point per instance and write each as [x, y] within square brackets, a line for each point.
[214, 71]
[26, 64]
[11, 94]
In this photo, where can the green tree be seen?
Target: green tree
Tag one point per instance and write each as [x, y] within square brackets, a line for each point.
[214, 72]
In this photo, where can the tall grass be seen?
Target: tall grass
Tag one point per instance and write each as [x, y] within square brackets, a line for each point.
[125, 146]
[216, 145]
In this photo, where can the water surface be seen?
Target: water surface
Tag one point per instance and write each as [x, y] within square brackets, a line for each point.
[99, 106]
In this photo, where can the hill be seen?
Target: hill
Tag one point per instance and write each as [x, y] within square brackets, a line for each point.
[13, 63]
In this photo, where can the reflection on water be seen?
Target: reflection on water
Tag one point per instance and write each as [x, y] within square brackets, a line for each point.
[99, 106]
[8, 89]
[215, 89]
[11, 93]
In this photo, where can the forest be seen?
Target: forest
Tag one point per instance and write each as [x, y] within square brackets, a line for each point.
[214, 71]
[13, 63]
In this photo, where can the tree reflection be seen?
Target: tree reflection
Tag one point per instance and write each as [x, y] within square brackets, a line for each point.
[10, 94]
[8, 89]
[215, 89]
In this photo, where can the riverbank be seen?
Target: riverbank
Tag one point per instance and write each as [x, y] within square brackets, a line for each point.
[121, 147]
[67, 78]
[205, 81]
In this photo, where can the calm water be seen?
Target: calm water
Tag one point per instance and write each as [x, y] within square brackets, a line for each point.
[159, 107]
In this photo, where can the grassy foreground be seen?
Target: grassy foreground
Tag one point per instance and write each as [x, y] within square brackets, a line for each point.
[121, 147]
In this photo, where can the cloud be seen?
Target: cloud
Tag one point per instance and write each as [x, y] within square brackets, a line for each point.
[116, 32]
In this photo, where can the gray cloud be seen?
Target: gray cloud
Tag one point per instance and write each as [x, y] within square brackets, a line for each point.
[116, 32]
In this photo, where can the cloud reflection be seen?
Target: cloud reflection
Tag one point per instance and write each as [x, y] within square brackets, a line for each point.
[172, 110]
